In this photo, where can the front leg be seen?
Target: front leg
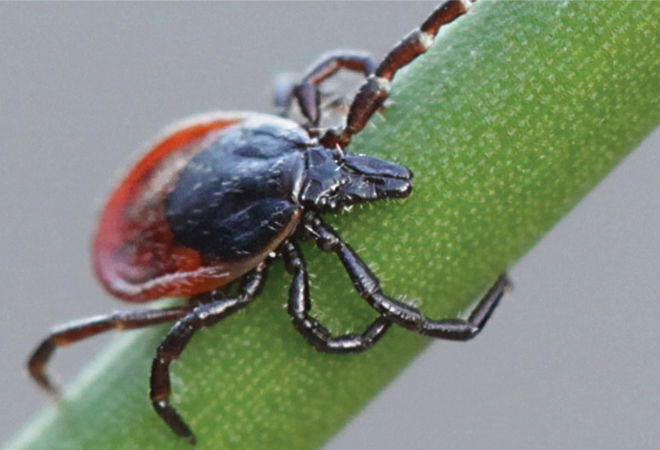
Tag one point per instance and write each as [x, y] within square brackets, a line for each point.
[368, 286]
[376, 89]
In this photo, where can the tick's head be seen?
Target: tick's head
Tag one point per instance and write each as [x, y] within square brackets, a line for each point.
[336, 180]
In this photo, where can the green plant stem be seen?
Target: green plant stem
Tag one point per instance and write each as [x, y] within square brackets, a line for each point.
[515, 113]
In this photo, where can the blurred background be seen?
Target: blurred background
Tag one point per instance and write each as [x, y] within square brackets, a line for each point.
[570, 360]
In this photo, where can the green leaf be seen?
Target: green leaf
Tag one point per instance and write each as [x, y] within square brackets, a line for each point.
[512, 116]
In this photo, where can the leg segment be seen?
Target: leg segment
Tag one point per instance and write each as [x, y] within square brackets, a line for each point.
[283, 92]
[306, 91]
[376, 88]
[204, 315]
[407, 316]
[76, 331]
[316, 334]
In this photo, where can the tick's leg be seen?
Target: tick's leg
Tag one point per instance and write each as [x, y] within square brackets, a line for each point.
[283, 92]
[203, 315]
[76, 331]
[368, 286]
[376, 88]
[306, 91]
[316, 334]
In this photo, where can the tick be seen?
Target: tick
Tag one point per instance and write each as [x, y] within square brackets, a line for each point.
[220, 197]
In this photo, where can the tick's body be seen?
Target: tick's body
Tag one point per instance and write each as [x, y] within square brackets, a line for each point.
[217, 195]
[184, 222]
[223, 195]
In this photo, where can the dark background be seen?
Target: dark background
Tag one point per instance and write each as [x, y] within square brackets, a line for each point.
[572, 357]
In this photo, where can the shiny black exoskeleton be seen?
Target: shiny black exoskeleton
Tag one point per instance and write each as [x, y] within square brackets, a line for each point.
[243, 190]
